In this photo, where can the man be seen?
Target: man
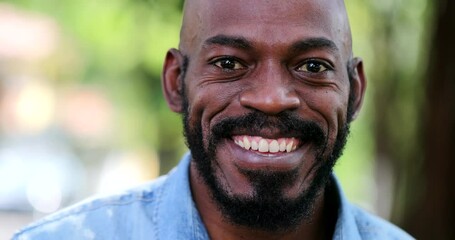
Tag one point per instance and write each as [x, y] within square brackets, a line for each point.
[267, 90]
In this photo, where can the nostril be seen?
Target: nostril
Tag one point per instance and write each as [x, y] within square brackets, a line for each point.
[269, 100]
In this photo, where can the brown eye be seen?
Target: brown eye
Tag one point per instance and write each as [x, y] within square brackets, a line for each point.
[313, 67]
[228, 64]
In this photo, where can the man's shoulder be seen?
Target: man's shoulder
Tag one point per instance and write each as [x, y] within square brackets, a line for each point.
[101, 214]
[374, 227]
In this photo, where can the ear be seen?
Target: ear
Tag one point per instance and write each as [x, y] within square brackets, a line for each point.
[171, 80]
[359, 82]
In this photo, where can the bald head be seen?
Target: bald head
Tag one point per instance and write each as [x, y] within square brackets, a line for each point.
[276, 59]
[203, 19]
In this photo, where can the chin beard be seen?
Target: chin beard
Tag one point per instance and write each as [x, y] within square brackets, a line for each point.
[266, 209]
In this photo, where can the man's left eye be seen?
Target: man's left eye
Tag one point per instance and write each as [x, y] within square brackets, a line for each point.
[228, 64]
[313, 67]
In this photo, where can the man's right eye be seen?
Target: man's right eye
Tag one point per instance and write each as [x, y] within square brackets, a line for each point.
[228, 64]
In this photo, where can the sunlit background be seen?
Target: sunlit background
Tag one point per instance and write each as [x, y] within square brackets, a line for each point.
[81, 109]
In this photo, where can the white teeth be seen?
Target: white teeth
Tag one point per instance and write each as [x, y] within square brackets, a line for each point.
[240, 143]
[254, 145]
[246, 143]
[274, 147]
[283, 146]
[263, 146]
[289, 147]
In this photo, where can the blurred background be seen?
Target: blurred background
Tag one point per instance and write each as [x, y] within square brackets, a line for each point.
[81, 109]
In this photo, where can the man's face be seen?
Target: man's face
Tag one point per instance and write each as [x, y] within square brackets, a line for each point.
[265, 102]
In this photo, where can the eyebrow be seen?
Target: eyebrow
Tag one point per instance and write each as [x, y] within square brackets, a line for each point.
[299, 46]
[314, 43]
[231, 41]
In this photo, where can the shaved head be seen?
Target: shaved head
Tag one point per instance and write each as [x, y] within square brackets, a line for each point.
[201, 17]
[275, 73]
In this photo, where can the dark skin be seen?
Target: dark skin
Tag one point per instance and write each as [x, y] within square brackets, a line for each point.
[267, 56]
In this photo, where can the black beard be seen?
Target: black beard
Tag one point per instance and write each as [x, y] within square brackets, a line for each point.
[267, 209]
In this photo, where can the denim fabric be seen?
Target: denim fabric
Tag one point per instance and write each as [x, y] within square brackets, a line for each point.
[164, 209]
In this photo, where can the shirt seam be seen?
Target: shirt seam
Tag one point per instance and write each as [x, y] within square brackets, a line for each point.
[83, 210]
[159, 196]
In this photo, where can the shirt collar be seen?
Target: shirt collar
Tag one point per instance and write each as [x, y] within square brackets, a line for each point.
[177, 215]
[346, 226]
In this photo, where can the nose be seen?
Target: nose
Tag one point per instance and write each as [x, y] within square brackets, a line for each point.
[270, 93]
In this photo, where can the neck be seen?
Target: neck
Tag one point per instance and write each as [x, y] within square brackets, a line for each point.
[320, 226]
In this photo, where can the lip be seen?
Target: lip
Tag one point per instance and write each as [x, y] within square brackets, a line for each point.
[253, 160]
[265, 133]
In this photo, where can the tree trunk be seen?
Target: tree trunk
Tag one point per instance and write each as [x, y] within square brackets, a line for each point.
[433, 216]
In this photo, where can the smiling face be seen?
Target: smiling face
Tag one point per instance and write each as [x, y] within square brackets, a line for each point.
[264, 87]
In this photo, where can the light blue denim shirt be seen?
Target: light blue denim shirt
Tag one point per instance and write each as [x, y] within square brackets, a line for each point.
[164, 209]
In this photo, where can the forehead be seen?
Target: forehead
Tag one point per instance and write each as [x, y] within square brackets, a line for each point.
[269, 22]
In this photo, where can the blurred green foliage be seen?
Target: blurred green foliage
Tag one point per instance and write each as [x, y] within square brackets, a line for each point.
[120, 46]
[391, 37]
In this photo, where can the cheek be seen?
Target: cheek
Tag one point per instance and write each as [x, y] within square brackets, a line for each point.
[330, 108]
[208, 103]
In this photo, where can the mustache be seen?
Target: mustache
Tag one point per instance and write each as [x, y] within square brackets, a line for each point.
[286, 123]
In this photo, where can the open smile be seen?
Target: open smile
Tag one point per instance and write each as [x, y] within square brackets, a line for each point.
[255, 152]
[266, 145]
